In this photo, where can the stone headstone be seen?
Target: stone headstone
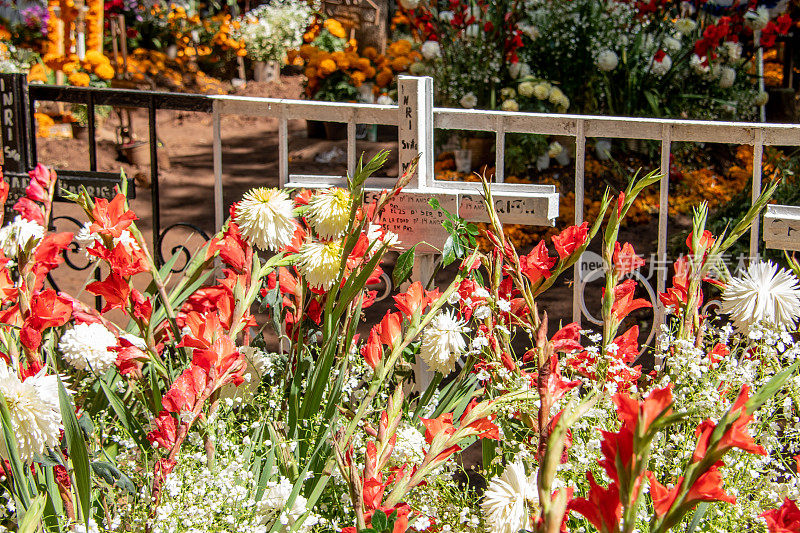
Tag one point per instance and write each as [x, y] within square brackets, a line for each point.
[366, 18]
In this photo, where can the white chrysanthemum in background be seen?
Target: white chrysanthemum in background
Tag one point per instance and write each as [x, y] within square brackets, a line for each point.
[525, 89]
[319, 263]
[727, 76]
[468, 101]
[431, 50]
[443, 342]
[603, 149]
[763, 293]
[446, 16]
[276, 496]
[541, 90]
[685, 25]
[519, 70]
[661, 67]
[607, 60]
[672, 44]
[266, 218]
[509, 105]
[510, 500]
[733, 50]
[35, 412]
[384, 99]
[554, 149]
[87, 347]
[329, 212]
[698, 65]
[16, 235]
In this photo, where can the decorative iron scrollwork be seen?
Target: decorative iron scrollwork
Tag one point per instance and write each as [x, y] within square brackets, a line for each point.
[180, 248]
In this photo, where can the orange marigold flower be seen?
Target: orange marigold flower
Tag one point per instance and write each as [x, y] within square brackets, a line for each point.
[384, 77]
[327, 67]
[79, 79]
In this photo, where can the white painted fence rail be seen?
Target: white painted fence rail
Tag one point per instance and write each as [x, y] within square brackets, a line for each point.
[416, 119]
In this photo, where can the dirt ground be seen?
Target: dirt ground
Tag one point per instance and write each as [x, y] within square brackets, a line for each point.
[250, 158]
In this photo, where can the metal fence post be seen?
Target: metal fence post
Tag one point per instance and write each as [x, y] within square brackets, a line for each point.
[14, 134]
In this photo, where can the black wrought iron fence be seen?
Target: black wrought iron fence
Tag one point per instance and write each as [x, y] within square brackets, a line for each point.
[18, 103]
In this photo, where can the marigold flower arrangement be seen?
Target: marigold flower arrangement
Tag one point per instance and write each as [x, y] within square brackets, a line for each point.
[180, 417]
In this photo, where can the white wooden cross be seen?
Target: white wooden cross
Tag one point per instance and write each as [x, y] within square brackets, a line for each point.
[782, 227]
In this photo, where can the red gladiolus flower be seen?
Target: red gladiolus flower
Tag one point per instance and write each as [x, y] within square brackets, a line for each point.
[165, 433]
[434, 426]
[617, 446]
[567, 339]
[130, 359]
[620, 203]
[625, 259]
[47, 309]
[601, 508]
[48, 254]
[706, 241]
[110, 218]
[571, 239]
[372, 351]
[537, 264]
[29, 210]
[184, 393]
[624, 303]
[390, 328]
[785, 519]
[718, 353]
[627, 345]
[484, 427]
[414, 299]
[736, 436]
[629, 410]
[36, 192]
[114, 289]
[707, 488]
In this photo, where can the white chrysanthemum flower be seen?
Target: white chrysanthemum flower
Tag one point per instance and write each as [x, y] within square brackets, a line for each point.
[35, 412]
[265, 218]
[685, 25]
[763, 292]
[384, 99]
[16, 235]
[541, 90]
[329, 212]
[727, 76]
[468, 101]
[525, 89]
[697, 64]
[443, 342]
[319, 263]
[87, 347]
[519, 70]
[554, 149]
[607, 60]
[431, 50]
[509, 105]
[733, 50]
[510, 500]
[276, 496]
[410, 446]
[659, 68]
[672, 44]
